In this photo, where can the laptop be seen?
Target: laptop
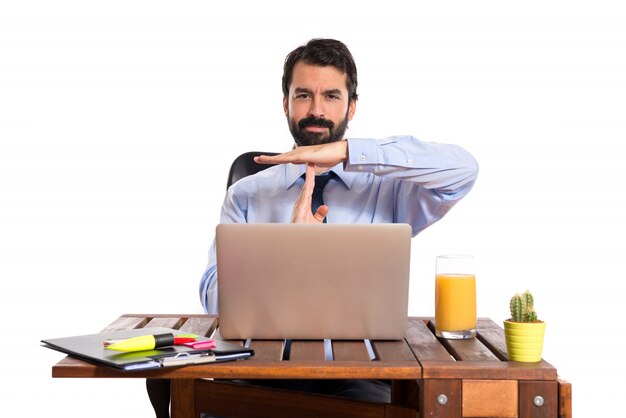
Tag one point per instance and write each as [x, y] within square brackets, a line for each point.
[303, 281]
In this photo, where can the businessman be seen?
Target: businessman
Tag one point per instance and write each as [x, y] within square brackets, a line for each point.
[398, 179]
[393, 180]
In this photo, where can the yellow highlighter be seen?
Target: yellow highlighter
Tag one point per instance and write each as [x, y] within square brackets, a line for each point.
[141, 343]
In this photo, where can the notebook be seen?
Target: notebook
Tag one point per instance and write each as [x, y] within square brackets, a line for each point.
[303, 281]
[90, 348]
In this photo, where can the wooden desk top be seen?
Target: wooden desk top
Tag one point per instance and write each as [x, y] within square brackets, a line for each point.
[419, 356]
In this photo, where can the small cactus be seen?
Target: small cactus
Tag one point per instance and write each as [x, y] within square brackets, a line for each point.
[522, 308]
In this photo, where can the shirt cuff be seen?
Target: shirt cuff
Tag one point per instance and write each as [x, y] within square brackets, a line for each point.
[362, 155]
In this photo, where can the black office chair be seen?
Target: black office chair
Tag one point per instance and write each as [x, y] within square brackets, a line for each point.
[244, 165]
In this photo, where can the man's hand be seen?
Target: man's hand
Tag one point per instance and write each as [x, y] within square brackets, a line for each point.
[322, 156]
[302, 208]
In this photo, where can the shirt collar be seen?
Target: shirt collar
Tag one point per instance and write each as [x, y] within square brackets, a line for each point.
[294, 171]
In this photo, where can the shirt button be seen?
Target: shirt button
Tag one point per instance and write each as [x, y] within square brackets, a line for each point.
[359, 167]
[362, 158]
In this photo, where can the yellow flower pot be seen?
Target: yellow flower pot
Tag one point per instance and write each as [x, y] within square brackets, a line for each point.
[524, 340]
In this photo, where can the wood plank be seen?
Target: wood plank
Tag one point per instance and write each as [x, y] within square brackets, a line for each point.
[244, 401]
[157, 315]
[392, 351]
[248, 369]
[488, 370]
[327, 370]
[423, 342]
[174, 322]
[302, 350]
[565, 398]
[200, 326]
[528, 393]
[267, 351]
[487, 323]
[492, 336]
[350, 351]
[470, 349]
[490, 398]
[126, 322]
[397, 411]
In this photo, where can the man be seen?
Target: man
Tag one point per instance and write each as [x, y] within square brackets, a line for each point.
[399, 179]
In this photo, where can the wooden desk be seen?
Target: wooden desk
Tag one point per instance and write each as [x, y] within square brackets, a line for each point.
[439, 378]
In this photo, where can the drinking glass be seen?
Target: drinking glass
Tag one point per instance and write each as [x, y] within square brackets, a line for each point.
[455, 297]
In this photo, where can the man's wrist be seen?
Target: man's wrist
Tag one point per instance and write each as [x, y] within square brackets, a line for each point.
[360, 154]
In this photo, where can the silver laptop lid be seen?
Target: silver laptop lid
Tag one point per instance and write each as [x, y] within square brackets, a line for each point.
[302, 281]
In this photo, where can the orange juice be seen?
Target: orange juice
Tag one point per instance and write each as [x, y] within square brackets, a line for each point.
[455, 302]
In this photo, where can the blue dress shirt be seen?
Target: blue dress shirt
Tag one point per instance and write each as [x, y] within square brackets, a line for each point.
[394, 180]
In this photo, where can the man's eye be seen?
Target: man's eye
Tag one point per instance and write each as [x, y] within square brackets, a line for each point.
[302, 96]
[333, 97]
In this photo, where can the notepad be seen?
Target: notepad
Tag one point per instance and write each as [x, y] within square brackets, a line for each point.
[91, 349]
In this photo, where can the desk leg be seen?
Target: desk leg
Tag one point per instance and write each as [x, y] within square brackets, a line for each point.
[404, 399]
[405, 393]
[565, 398]
[183, 399]
[441, 398]
[538, 399]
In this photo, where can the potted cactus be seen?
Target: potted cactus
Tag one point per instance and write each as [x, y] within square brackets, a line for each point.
[523, 332]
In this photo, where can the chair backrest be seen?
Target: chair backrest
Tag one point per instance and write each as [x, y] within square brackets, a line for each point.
[244, 165]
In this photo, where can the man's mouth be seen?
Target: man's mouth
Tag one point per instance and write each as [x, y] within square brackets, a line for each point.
[312, 124]
[316, 128]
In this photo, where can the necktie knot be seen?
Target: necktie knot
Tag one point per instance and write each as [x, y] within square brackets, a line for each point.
[322, 180]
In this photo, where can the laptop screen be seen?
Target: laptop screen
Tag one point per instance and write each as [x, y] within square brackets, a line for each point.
[303, 281]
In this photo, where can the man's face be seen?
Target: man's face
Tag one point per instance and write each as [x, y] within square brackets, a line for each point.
[318, 107]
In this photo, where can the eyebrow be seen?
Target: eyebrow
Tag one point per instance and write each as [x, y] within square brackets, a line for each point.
[326, 92]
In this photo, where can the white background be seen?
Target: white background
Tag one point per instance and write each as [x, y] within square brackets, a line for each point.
[118, 122]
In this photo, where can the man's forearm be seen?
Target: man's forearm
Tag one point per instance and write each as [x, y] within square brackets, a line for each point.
[444, 167]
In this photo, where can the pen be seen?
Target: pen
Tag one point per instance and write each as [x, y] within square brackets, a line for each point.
[148, 342]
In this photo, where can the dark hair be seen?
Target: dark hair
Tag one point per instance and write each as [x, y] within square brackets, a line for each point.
[323, 52]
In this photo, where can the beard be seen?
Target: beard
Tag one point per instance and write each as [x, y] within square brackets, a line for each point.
[302, 137]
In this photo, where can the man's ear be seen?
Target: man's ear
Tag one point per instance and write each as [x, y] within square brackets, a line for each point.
[351, 109]
[285, 105]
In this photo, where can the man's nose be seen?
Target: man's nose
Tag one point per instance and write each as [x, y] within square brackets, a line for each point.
[316, 108]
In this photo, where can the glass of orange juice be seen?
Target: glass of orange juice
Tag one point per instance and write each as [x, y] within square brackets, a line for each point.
[455, 297]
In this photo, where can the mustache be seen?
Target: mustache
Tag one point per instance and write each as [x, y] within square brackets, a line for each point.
[313, 121]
